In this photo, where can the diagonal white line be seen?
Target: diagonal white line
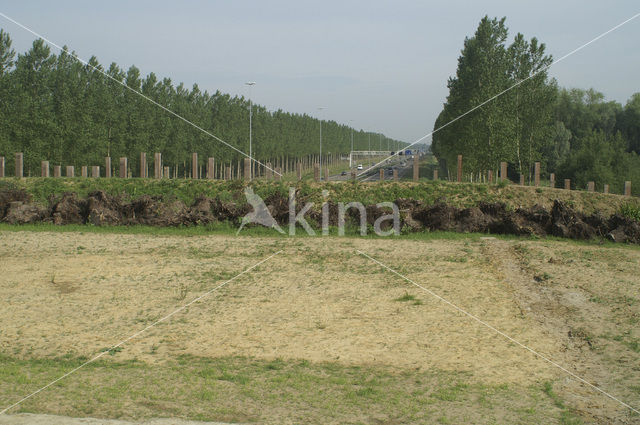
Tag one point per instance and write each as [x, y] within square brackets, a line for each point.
[137, 92]
[507, 89]
[482, 322]
[139, 332]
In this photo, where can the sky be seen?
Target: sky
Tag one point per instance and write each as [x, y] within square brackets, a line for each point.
[376, 65]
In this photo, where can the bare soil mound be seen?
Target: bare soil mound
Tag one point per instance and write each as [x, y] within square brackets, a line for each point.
[101, 209]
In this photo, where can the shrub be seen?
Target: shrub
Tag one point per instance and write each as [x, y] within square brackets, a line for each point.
[630, 211]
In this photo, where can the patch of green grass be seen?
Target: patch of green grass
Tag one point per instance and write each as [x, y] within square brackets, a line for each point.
[406, 297]
[451, 393]
[240, 389]
[627, 340]
[567, 417]
[522, 249]
[229, 229]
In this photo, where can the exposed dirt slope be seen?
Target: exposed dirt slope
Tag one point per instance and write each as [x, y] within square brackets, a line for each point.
[102, 209]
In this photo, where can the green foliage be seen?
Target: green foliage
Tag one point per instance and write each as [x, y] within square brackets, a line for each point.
[574, 133]
[630, 211]
[72, 114]
[511, 127]
[601, 158]
[629, 122]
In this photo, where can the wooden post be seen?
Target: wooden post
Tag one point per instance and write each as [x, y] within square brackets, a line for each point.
[95, 171]
[107, 166]
[627, 188]
[552, 180]
[84, 171]
[459, 177]
[157, 165]
[299, 170]
[194, 165]
[268, 172]
[227, 172]
[57, 171]
[326, 173]
[44, 169]
[278, 173]
[1, 166]
[19, 164]
[70, 172]
[246, 173]
[316, 172]
[490, 176]
[536, 174]
[521, 179]
[503, 170]
[416, 167]
[591, 186]
[123, 167]
[353, 175]
[606, 188]
[143, 165]
[395, 175]
[166, 172]
[567, 184]
[435, 174]
[210, 168]
[382, 174]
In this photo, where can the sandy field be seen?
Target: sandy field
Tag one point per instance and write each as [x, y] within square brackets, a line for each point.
[77, 294]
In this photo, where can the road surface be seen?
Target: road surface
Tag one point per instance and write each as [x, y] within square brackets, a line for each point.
[373, 174]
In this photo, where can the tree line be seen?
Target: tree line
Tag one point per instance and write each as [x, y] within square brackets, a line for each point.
[54, 107]
[574, 133]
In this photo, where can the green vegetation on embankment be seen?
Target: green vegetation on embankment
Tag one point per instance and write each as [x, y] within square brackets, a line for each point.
[428, 191]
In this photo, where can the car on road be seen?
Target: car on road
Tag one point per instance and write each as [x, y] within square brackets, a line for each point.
[344, 173]
[359, 167]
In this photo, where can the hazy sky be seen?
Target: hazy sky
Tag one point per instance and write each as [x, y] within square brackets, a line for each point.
[378, 65]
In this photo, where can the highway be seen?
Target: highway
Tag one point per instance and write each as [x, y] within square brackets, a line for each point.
[404, 171]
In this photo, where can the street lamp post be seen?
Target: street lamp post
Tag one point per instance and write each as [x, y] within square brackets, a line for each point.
[351, 153]
[250, 83]
[320, 109]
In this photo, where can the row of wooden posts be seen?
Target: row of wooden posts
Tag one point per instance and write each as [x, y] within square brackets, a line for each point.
[536, 178]
[212, 170]
[161, 171]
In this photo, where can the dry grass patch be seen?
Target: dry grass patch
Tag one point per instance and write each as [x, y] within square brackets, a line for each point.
[320, 331]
